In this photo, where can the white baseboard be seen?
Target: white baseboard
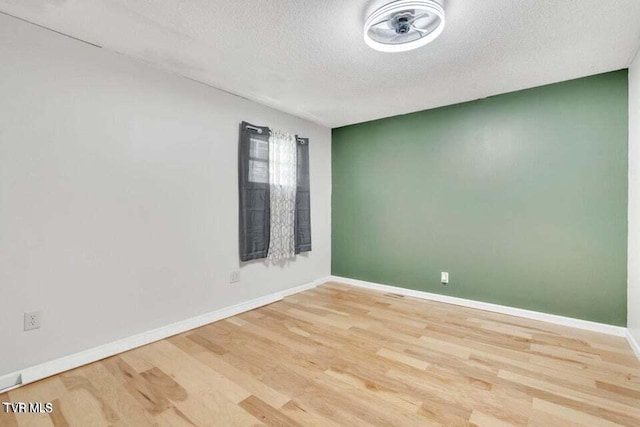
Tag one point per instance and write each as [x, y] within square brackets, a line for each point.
[11, 381]
[518, 312]
[56, 366]
[635, 346]
[38, 372]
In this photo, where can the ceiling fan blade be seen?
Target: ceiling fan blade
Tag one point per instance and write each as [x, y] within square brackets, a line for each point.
[396, 38]
[380, 22]
[415, 18]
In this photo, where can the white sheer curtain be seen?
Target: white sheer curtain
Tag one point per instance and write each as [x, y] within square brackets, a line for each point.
[282, 186]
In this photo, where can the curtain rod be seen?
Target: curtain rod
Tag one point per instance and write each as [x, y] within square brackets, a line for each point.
[253, 128]
[302, 140]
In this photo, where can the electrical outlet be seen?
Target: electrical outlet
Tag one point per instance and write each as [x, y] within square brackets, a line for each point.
[444, 277]
[32, 320]
[235, 277]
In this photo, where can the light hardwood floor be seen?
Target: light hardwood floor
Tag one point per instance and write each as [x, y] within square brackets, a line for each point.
[338, 355]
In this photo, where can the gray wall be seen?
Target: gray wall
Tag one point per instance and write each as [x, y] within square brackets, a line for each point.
[118, 197]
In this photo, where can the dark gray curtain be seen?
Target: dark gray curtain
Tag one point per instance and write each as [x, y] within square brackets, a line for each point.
[253, 173]
[303, 198]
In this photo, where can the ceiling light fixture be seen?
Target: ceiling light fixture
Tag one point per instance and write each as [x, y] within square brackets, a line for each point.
[404, 25]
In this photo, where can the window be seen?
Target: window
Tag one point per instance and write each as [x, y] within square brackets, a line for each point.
[268, 171]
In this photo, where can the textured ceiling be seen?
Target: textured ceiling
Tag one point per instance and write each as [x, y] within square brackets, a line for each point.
[308, 58]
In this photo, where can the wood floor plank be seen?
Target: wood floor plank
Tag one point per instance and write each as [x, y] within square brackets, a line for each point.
[173, 418]
[249, 383]
[76, 381]
[57, 417]
[402, 358]
[164, 384]
[118, 397]
[146, 395]
[266, 413]
[340, 355]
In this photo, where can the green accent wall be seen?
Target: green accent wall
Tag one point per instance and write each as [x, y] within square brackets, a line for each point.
[521, 197]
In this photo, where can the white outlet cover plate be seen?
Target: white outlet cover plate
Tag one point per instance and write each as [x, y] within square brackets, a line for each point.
[32, 320]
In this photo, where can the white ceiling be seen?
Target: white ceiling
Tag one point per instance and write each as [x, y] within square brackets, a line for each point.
[308, 57]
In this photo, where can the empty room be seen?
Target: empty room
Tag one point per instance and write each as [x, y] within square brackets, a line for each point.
[319, 213]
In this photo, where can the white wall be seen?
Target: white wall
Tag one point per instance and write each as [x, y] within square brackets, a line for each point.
[633, 300]
[118, 197]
